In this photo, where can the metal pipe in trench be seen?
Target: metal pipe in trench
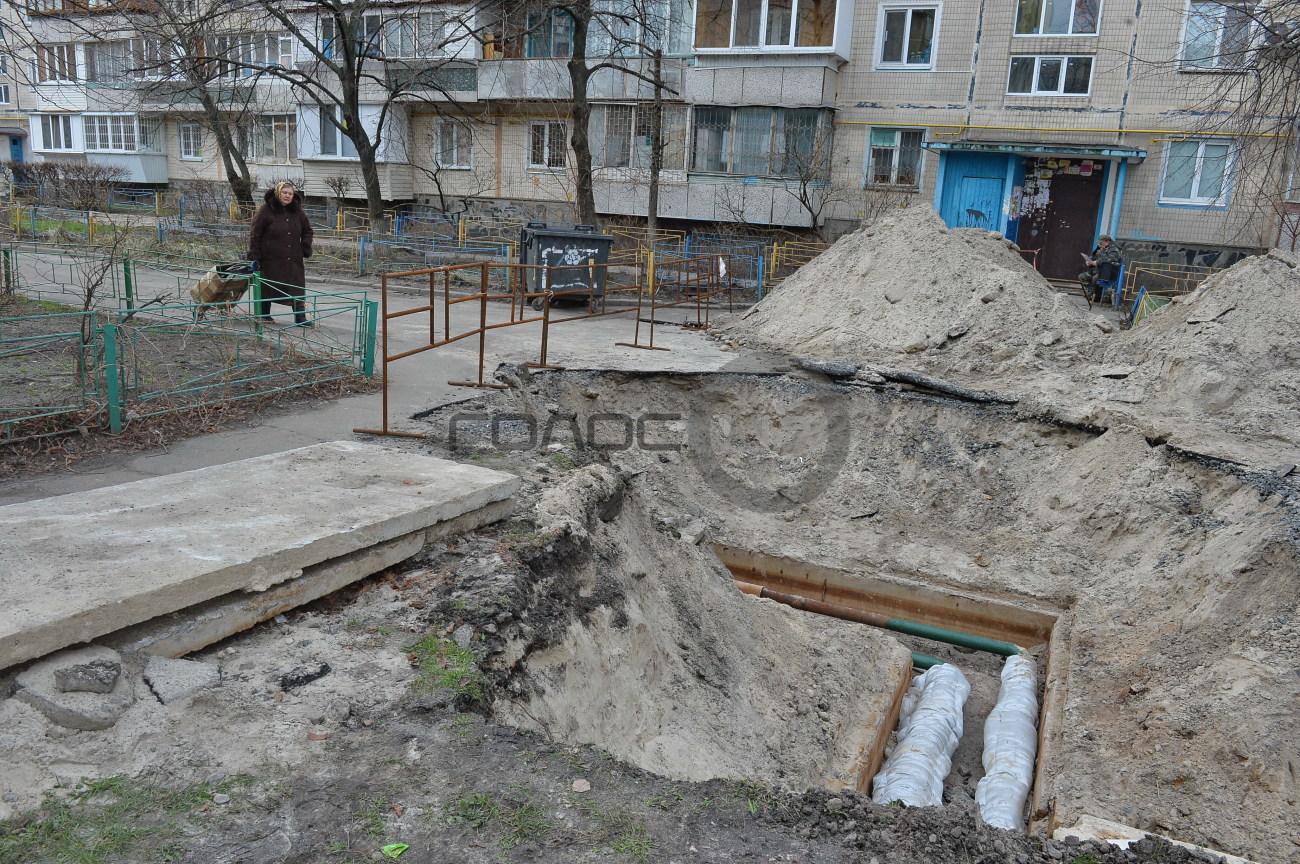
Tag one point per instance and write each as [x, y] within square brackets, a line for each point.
[875, 619]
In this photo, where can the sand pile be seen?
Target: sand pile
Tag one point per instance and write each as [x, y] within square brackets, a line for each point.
[962, 300]
[636, 639]
[1228, 351]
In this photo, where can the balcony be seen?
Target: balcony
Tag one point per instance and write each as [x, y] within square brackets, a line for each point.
[60, 96]
[728, 80]
[434, 80]
[139, 167]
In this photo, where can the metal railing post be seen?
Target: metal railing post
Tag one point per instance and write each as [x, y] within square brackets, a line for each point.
[112, 377]
[368, 345]
[257, 303]
[128, 283]
[10, 273]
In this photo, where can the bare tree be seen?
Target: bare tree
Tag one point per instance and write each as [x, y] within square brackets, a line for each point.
[353, 72]
[1253, 99]
[806, 167]
[339, 185]
[602, 35]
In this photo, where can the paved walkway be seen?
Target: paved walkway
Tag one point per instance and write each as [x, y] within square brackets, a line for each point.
[417, 383]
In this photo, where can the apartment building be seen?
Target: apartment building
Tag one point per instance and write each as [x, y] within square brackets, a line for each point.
[1052, 121]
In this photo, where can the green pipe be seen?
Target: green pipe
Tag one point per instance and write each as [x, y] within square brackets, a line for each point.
[875, 619]
[952, 637]
[925, 661]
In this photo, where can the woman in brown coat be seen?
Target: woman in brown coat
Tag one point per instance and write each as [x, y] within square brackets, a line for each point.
[278, 242]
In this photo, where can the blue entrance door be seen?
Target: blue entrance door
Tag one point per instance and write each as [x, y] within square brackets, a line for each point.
[16, 148]
[974, 190]
[980, 203]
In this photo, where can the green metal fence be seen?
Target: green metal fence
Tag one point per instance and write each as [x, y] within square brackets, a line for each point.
[47, 379]
[146, 348]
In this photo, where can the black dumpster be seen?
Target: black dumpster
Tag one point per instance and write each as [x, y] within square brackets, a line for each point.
[572, 249]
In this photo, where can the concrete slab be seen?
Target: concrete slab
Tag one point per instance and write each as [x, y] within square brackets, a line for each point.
[206, 623]
[76, 567]
[1124, 836]
[171, 679]
[38, 687]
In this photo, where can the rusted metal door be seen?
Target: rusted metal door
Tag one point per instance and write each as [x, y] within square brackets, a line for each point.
[1066, 226]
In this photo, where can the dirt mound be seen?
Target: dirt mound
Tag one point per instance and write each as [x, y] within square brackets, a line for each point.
[637, 640]
[907, 285]
[1230, 349]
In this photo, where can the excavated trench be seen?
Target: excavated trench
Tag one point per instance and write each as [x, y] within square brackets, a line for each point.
[1155, 591]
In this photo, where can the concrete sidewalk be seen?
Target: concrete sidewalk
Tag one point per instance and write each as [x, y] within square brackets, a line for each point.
[417, 383]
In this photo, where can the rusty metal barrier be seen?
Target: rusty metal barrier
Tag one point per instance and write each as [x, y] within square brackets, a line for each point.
[695, 280]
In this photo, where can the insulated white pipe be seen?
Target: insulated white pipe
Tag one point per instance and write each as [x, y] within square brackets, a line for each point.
[1010, 744]
[929, 728]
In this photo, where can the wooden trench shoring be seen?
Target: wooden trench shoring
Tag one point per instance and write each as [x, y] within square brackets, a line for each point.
[1027, 624]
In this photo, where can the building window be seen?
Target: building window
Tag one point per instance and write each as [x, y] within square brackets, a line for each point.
[622, 136]
[780, 142]
[4, 94]
[56, 63]
[409, 35]
[56, 132]
[1057, 17]
[1050, 76]
[191, 140]
[453, 144]
[333, 141]
[764, 24]
[548, 144]
[245, 55]
[906, 37]
[1218, 35]
[272, 138]
[895, 157]
[661, 24]
[549, 34]
[1196, 172]
[110, 132]
[129, 60]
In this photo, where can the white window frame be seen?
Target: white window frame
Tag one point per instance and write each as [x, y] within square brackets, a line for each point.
[881, 16]
[342, 146]
[462, 140]
[558, 34]
[64, 132]
[761, 44]
[634, 139]
[868, 179]
[1292, 193]
[116, 128]
[59, 62]
[549, 149]
[1070, 32]
[766, 127]
[189, 137]
[278, 128]
[1217, 59]
[4, 94]
[403, 35]
[1225, 192]
[1035, 90]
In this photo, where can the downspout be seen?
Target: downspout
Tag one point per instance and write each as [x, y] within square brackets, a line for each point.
[1119, 197]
